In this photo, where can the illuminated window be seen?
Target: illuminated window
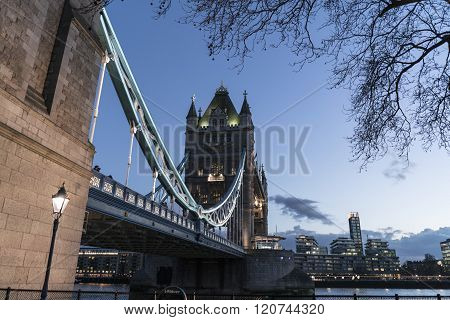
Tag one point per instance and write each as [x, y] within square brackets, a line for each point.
[200, 172]
[216, 196]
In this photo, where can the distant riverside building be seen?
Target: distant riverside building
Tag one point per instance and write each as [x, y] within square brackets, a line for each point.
[445, 249]
[307, 245]
[343, 246]
[355, 231]
[381, 259]
[332, 264]
[346, 254]
[323, 250]
[267, 242]
[107, 263]
[429, 266]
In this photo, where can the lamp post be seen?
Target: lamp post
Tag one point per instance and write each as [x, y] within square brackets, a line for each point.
[59, 201]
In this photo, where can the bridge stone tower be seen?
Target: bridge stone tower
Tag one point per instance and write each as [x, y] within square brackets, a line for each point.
[214, 143]
[49, 60]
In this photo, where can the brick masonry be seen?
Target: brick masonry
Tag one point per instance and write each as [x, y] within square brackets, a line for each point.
[40, 147]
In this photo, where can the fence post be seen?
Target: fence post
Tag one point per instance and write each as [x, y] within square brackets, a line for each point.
[154, 294]
[355, 297]
[8, 293]
[194, 296]
[79, 294]
[116, 295]
[438, 296]
[396, 296]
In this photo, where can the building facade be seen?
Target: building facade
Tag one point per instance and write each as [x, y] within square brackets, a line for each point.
[445, 249]
[49, 63]
[346, 255]
[343, 246]
[214, 144]
[306, 245]
[355, 231]
[380, 258]
[107, 263]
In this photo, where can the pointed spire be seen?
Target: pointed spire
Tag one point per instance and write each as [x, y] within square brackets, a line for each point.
[192, 112]
[245, 107]
[222, 88]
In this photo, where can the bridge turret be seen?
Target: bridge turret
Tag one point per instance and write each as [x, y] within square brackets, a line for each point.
[191, 118]
[245, 116]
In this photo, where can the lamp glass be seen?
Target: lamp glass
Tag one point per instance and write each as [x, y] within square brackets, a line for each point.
[59, 204]
[60, 201]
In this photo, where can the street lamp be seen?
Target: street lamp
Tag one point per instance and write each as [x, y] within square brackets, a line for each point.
[59, 201]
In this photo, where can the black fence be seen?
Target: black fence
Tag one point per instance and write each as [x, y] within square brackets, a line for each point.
[25, 294]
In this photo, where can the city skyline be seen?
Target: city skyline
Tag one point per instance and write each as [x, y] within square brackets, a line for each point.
[170, 80]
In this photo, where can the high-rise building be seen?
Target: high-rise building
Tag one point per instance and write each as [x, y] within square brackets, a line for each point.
[306, 245]
[355, 231]
[343, 246]
[445, 249]
[214, 144]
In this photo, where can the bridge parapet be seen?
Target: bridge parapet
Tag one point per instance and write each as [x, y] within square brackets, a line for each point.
[107, 185]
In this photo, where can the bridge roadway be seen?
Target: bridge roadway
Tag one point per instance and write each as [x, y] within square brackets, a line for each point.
[120, 218]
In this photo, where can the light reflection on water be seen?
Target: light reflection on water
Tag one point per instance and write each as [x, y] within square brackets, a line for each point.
[382, 292]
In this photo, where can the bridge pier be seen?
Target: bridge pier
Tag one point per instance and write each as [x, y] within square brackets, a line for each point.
[264, 272]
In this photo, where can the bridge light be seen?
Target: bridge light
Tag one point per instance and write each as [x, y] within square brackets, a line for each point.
[60, 201]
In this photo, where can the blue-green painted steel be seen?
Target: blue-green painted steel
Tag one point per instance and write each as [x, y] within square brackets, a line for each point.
[150, 141]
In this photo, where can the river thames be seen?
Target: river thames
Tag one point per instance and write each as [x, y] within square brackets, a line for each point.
[319, 291]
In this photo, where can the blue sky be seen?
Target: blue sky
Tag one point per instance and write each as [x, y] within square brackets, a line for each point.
[170, 63]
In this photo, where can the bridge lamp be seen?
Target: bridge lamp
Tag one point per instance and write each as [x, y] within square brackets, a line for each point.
[59, 202]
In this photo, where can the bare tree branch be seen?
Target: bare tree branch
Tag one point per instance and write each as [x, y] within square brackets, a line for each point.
[392, 54]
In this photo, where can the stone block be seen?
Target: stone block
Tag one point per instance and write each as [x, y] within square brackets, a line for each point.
[35, 242]
[35, 259]
[11, 257]
[16, 207]
[6, 275]
[10, 239]
[5, 173]
[16, 223]
[41, 228]
[3, 218]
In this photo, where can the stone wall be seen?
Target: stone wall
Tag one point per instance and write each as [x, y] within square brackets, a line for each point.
[43, 145]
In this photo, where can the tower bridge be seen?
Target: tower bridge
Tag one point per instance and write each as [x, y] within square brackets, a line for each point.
[46, 105]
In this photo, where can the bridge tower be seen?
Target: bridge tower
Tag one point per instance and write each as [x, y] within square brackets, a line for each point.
[214, 142]
[49, 64]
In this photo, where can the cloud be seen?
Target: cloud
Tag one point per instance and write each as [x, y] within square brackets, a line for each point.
[300, 209]
[397, 170]
[409, 246]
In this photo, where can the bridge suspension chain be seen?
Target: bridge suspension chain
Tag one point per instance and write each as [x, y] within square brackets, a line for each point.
[150, 140]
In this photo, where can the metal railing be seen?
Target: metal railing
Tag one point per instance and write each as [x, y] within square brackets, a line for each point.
[113, 188]
[29, 294]
[26, 294]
